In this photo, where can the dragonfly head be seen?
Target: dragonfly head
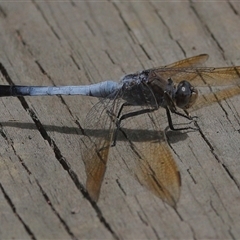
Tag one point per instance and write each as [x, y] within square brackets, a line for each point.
[186, 95]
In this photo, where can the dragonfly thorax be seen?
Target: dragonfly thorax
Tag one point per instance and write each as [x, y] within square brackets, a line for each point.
[185, 95]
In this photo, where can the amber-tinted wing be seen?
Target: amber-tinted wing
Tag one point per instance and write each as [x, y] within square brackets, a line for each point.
[198, 76]
[189, 62]
[210, 98]
[208, 76]
[176, 68]
[158, 171]
[203, 76]
[188, 69]
[149, 155]
[98, 131]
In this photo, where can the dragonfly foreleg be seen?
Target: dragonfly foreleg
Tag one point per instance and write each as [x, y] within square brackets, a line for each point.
[172, 107]
[170, 123]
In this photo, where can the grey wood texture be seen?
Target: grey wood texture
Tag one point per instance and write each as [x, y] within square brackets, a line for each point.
[81, 42]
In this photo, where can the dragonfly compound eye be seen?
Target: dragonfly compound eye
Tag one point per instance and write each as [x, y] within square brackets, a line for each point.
[186, 95]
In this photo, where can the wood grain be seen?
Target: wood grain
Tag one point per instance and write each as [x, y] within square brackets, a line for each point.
[42, 174]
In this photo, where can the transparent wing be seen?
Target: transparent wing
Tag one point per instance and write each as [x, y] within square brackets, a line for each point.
[149, 156]
[99, 128]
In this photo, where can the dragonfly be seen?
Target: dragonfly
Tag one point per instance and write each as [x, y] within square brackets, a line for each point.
[127, 111]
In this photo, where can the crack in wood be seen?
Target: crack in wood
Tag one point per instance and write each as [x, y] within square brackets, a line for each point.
[232, 7]
[231, 176]
[207, 29]
[75, 62]
[12, 206]
[234, 114]
[3, 13]
[129, 30]
[121, 187]
[109, 56]
[216, 41]
[45, 19]
[145, 51]
[190, 174]
[67, 228]
[89, 27]
[170, 34]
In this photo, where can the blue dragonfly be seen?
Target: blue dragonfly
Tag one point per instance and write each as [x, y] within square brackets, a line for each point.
[139, 96]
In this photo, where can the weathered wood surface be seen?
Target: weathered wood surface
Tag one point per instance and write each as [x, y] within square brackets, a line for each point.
[46, 43]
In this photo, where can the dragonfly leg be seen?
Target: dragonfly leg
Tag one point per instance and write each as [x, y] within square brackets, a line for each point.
[113, 116]
[117, 125]
[172, 107]
[125, 116]
[170, 123]
[188, 114]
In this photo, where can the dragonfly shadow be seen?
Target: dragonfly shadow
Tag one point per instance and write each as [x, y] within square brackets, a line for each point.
[175, 136]
[48, 128]
[136, 135]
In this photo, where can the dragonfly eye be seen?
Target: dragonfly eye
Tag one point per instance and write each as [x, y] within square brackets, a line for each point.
[186, 95]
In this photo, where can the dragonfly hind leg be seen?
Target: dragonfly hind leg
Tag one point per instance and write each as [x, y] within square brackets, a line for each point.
[125, 116]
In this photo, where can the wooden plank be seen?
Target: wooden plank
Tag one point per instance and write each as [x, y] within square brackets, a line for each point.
[61, 43]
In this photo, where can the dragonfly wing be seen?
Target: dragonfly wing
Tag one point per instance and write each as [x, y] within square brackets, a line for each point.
[189, 69]
[177, 68]
[213, 97]
[200, 76]
[189, 62]
[158, 171]
[98, 132]
[209, 76]
[149, 155]
[95, 168]
[151, 159]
